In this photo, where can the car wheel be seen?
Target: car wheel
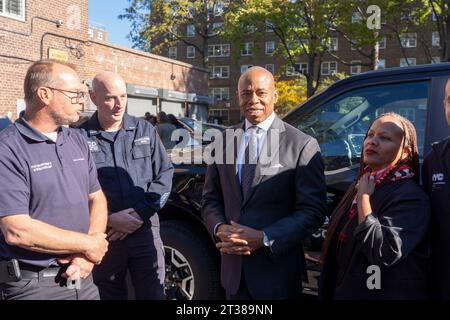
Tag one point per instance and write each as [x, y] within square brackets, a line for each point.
[192, 270]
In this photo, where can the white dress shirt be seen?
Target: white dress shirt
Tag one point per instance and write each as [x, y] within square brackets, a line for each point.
[260, 137]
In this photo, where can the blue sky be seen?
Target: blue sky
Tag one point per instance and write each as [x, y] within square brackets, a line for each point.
[106, 12]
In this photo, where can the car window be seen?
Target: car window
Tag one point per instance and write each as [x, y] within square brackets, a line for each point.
[340, 124]
[4, 122]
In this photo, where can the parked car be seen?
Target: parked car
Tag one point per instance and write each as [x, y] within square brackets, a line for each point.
[4, 122]
[194, 128]
[338, 118]
[192, 124]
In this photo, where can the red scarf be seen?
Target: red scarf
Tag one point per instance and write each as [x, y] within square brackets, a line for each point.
[402, 172]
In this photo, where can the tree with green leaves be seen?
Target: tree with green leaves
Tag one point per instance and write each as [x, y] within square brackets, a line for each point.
[441, 12]
[365, 20]
[157, 24]
[292, 92]
[302, 28]
[360, 26]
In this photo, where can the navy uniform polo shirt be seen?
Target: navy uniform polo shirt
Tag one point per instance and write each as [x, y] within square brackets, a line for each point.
[133, 167]
[48, 181]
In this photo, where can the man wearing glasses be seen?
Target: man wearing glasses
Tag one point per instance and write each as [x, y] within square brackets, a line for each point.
[52, 210]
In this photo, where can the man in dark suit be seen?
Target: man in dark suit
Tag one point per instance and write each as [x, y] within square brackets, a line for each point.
[271, 195]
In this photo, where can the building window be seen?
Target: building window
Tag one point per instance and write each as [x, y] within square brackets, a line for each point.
[329, 67]
[270, 47]
[216, 28]
[219, 114]
[407, 62]
[435, 60]
[355, 68]
[333, 45]
[356, 17]
[219, 7]
[245, 67]
[269, 26]
[247, 49]
[219, 72]
[408, 40]
[270, 67]
[220, 94]
[297, 69]
[219, 50]
[190, 30]
[382, 43]
[405, 16]
[191, 11]
[13, 9]
[435, 39]
[353, 46]
[250, 29]
[190, 53]
[99, 35]
[173, 52]
[382, 64]
[173, 33]
[90, 32]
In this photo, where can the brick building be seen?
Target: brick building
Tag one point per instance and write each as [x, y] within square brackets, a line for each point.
[31, 30]
[225, 69]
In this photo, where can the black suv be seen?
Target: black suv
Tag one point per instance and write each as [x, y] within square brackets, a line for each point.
[4, 122]
[338, 118]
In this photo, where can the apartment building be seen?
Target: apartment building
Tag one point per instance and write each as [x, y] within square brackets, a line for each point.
[35, 29]
[225, 69]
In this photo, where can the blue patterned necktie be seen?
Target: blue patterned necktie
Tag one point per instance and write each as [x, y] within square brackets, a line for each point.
[250, 161]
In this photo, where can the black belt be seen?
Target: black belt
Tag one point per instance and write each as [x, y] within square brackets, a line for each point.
[35, 272]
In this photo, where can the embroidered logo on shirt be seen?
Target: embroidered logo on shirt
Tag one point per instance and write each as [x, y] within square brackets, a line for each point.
[93, 146]
[438, 177]
[41, 167]
[142, 141]
[438, 181]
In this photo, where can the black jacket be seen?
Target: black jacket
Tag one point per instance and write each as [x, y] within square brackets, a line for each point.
[437, 184]
[286, 201]
[133, 169]
[394, 238]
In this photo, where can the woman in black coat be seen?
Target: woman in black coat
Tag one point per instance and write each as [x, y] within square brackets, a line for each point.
[376, 245]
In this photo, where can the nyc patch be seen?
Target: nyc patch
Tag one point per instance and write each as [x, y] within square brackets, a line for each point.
[438, 181]
[93, 146]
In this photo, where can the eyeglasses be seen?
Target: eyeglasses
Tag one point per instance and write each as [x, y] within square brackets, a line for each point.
[73, 99]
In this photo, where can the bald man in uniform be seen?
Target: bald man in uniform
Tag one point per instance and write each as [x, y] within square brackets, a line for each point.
[136, 176]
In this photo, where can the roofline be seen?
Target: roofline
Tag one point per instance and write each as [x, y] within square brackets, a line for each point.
[377, 74]
[148, 55]
[393, 71]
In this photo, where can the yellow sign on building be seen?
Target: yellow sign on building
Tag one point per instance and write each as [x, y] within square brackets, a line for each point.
[58, 55]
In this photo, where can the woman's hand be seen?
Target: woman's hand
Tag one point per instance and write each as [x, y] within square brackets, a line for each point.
[365, 187]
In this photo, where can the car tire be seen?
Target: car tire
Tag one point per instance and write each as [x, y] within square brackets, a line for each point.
[192, 270]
